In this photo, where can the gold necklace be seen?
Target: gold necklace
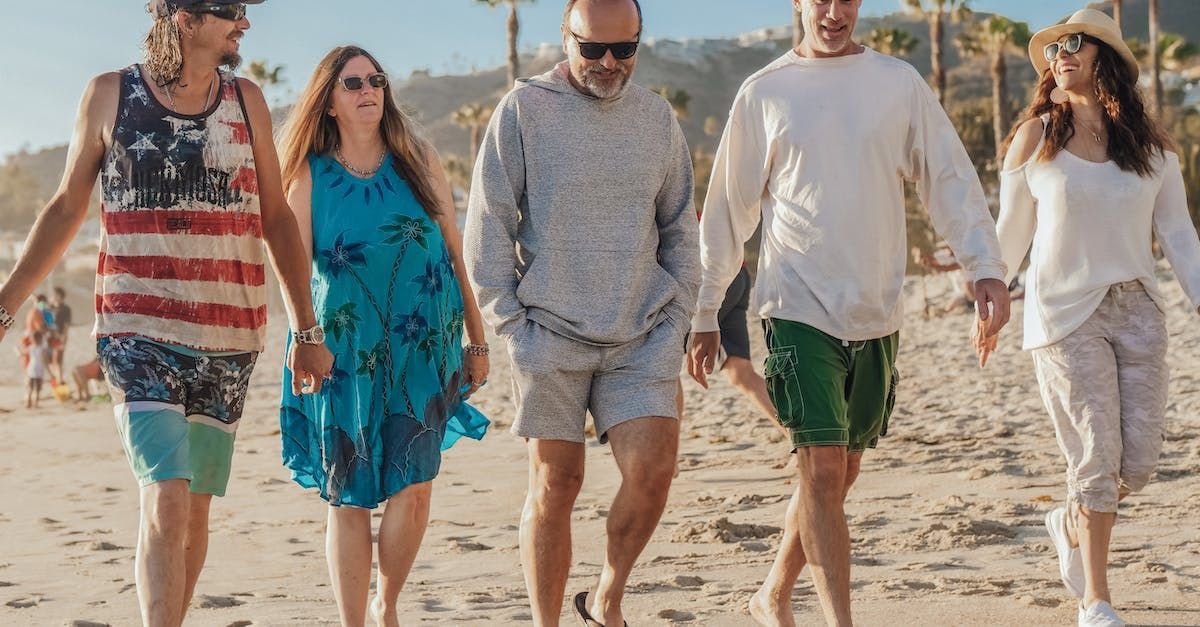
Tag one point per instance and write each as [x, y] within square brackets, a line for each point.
[1093, 131]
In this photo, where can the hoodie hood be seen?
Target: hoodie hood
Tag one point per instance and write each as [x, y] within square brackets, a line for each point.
[558, 80]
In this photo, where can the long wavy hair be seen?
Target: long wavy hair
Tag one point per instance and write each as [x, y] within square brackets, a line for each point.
[310, 129]
[1134, 139]
[163, 49]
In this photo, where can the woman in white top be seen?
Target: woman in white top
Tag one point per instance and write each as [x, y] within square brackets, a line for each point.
[1088, 178]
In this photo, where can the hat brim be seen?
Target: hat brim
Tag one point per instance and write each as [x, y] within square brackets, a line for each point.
[1038, 42]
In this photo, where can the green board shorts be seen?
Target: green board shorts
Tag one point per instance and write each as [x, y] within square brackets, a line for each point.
[830, 392]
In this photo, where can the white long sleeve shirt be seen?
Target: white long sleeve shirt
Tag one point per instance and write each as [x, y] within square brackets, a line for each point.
[818, 148]
[1090, 226]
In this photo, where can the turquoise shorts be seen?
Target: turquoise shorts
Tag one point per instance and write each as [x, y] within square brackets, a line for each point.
[177, 409]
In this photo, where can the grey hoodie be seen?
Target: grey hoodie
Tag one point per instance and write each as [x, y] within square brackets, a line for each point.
[581, 216]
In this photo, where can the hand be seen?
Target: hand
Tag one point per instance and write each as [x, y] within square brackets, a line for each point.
[995, 293]
[477, 368]
[983, 343]
[310, 365]
[702, 355]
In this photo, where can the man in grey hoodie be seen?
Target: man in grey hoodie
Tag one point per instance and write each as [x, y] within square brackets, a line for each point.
[582, 243]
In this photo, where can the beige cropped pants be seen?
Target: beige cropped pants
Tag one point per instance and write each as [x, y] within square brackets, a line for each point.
[1105, 387]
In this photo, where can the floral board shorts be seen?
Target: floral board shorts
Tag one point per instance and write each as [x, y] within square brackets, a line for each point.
[177, 409]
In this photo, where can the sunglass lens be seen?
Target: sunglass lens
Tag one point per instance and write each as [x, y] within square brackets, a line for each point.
[1073, 43]
[378, 81]
[352, 83]
[1051, 51]
[624, 50]
[592, 51]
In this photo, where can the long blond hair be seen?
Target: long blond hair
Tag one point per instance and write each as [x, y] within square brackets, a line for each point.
[310, 129]
[164, 50]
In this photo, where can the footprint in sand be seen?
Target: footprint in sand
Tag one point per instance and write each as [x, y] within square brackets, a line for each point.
[465, 544]
[208, 601]
[677, 616]
[86, 623]
[25, 601]
[723, 531]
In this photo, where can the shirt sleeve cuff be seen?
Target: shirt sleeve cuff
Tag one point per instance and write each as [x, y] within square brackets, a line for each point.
[990, 271]
[705, 322]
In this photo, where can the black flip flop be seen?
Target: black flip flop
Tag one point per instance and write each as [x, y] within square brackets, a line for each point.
[584, 615]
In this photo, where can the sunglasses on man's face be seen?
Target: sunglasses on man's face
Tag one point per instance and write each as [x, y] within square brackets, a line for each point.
[231, 12]
[593, 51]
[355, 83]
[1071, 44]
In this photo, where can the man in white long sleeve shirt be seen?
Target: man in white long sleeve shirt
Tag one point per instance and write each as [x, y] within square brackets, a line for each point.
[816, 146]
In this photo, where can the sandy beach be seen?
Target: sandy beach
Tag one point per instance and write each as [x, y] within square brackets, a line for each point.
[946, 517]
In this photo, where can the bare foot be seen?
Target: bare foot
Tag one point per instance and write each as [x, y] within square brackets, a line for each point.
[606, 613]
[771, 612]
[383, 617]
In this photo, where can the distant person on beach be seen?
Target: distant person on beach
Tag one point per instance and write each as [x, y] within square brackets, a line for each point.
[191, 190]
[581, 241]
[377, 217]
[813, 146]
[37, 357]
[83, 375]
[733, 359]
[62, 329]
[1092, 178]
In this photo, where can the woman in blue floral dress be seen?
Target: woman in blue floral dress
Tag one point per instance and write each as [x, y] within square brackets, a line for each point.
[376, 213]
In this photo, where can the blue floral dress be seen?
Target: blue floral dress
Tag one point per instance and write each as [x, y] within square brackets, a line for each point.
[386, 293]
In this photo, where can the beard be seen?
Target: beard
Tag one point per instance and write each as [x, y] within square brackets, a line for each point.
[231, 61]
[605, 87]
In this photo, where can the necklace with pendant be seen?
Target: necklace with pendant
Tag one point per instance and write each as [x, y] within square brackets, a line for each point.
[171, 101]
[1094, 133]
[366, 174]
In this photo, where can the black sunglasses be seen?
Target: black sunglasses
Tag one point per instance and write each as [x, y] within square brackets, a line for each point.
[592, 51]
[378, 80]
[231, 12]
[1071, 44]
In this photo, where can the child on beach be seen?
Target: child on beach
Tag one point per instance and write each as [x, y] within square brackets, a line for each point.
[36, 356]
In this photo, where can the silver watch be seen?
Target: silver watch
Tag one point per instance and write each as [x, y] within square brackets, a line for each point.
[313, 335]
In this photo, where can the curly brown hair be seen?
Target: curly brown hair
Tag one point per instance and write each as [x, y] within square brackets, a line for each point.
[1134, 138]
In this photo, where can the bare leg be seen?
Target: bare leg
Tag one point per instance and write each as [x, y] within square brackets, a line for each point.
[160, 564]
[195, 547]
[1092, 533]
[742, 375]
[772, 604]
[348, 550]
[823, 531]
[555, 476]
[645, 450]
[400, 535]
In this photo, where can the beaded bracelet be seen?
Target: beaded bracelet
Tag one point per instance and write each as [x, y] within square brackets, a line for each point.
[480, 350]
[6, 319]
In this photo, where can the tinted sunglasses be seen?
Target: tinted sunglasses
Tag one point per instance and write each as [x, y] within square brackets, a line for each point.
[1071, 44]
[379, 80]
[231, 12]
[593, 51]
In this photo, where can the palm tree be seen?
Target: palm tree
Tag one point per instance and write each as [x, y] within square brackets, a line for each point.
[677, 98]
[473, 117]
[458, 173]
[1156, 96]
[936, 14]
[994, 38]
[1116, 4]
[266, 75]
[797, 27]
[514, 29]
[896, 42]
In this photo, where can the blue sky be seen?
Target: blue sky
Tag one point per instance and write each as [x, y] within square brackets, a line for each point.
[51, 49]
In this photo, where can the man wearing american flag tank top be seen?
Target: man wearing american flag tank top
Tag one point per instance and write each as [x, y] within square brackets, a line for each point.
[191, 192]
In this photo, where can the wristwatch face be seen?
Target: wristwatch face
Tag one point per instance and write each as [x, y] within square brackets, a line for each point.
[318, 335]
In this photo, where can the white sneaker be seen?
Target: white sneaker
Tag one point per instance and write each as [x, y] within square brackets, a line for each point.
[1070, 562]
[1100, 614]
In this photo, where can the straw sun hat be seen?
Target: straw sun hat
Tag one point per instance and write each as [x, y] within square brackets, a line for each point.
[1089, 22]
